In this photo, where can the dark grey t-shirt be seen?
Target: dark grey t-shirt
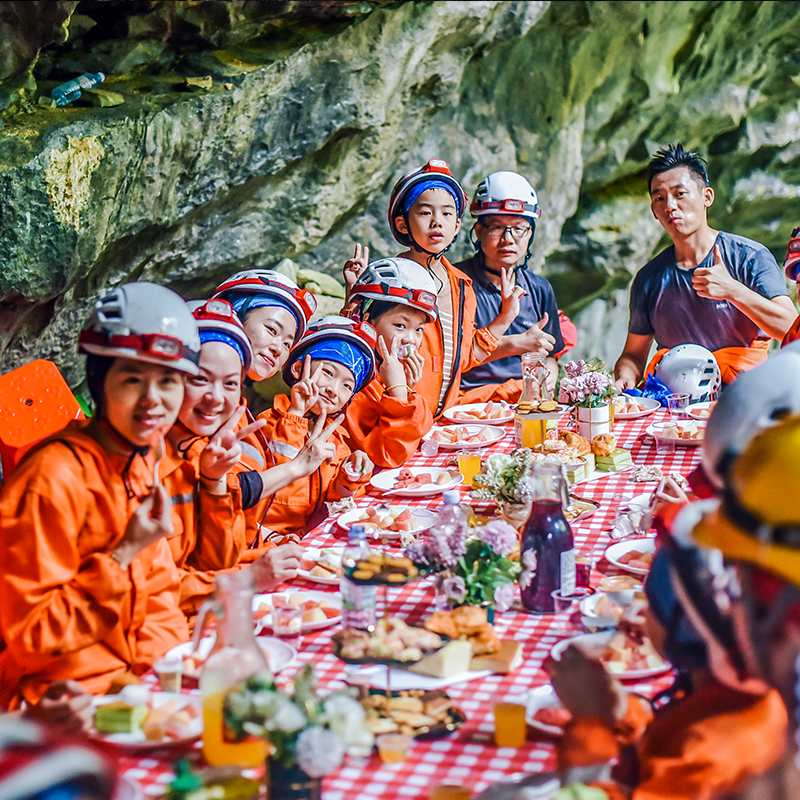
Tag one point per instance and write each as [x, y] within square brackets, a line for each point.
[664, 304]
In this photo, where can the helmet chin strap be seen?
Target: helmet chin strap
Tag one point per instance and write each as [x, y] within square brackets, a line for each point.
[127, 444]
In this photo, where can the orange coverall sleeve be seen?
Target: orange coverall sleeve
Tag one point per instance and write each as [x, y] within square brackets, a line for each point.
[388, 430]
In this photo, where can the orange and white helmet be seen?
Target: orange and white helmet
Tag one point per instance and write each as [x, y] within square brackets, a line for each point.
[144, 322]
[792, 259]
[398, 280]
[414, 182]
[255, 288]
[338, 339]
[218, 322]
[690, 369]
[506, 193]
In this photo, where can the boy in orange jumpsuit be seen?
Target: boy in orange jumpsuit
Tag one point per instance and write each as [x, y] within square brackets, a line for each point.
[331, 363]
[89, 589]
[388, 418]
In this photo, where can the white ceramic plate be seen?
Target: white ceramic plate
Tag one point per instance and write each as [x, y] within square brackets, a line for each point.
[495, 435]
[310, 556]
[425, 519]
[331, 598]
[619, 549]
[594, 644]
[278, 654]
[588, 608]
[536, 699]
[653, 431]
[700, 411]
[451, 414]
[385, 481]
[650, 404]
[136, 740]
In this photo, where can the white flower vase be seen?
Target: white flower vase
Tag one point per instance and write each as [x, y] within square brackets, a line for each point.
[593, 421]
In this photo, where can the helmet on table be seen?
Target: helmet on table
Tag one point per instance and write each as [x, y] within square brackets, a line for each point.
[397, 280]
[144, 322]
[256, 288]
[505, 193]
[792, 260]
[757, 399]
[217, 321]
[690, 369]
[436, 171]
[359, 336]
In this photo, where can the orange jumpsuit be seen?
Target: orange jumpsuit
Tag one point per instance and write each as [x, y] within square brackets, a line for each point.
[465, 354]
[793, 334]
[67, 609]
[731, 360]
[209, 529]
[706, 745]
[293, 506]
[388, 430]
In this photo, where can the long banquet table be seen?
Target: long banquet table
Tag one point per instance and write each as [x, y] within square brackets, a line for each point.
[469, 756]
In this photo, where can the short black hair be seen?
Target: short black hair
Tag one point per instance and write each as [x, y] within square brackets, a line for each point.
[97, 368]
[673, 156]
[377, 308]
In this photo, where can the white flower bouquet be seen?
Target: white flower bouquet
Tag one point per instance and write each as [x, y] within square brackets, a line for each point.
[306, 731]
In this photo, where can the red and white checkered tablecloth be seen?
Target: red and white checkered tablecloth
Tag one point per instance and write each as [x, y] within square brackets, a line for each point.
[468, 756]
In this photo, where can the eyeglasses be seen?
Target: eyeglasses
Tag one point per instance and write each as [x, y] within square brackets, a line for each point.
[499, 231]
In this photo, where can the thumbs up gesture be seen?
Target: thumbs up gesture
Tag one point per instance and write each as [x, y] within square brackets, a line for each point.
[536, 339]
[714, 282]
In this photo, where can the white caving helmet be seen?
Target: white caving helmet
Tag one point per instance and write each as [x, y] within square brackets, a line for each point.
[334, 328]
[255, 288]
[690, 369]
[505, 193]
[145, 322]
[397, 280]
[218, 317]
[435, 170]
[757, 399]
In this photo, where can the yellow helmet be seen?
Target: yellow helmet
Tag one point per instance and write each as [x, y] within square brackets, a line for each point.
[758, 517]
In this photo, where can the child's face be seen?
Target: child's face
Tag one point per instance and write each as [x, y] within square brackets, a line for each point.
[212, 396]
[142, 399]
[271, 330]
[335, 383]
[432, 221]
[401, 323]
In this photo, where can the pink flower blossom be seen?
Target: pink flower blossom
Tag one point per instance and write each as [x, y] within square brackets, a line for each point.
[499, 536]
[504, 596]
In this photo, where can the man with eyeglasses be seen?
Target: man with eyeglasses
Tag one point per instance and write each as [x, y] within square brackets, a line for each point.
[505, 208]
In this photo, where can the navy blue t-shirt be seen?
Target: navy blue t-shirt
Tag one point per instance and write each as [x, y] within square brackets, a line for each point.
[538, 298]
[664, 304]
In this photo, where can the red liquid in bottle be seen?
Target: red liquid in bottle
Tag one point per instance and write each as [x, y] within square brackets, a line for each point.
[548, 534]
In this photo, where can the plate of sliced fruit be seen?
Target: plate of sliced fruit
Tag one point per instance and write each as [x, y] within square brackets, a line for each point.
[277, 653]
[416, 481]
[389, 523]
[320, 609]
[321, 566]
[627, 407]
[632, 555]
[465, 437]
[495, 412]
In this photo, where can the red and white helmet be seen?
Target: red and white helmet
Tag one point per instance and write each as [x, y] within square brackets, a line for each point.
[246, 290]
[792, 256]
[506, 193]
[145, 322]
[334, 328]
[435, 169]
[690, 369]
[218, 316]
[757, 399]
[398, 280]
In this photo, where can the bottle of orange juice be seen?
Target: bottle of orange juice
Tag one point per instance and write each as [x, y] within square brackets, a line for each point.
[234, 657]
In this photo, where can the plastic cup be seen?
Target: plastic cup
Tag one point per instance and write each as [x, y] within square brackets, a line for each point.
[169, 670]
[449, 792]
[510, 728]
[566, 603]
[429, 448]
[393, 747]
[583, 571]
[287, 621]
[469, 465]
[677, 404]
[665, 445]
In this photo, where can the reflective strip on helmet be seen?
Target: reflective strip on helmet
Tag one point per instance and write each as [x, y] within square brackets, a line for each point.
[159, 345]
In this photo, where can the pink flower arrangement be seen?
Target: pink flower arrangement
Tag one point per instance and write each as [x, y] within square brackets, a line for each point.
[586, 384]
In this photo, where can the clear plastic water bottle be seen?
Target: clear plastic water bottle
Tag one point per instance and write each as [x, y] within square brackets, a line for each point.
[71, 90]
[451, 524]
[359, 602]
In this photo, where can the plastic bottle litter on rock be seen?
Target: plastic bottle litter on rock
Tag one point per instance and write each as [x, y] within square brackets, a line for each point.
[71, 90]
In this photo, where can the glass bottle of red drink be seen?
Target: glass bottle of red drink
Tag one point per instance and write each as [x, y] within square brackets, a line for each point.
[548, 534]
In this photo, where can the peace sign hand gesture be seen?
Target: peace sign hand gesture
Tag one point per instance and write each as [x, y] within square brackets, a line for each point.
[305, 393]
[317, 447]
[224, 449]
[354, 267]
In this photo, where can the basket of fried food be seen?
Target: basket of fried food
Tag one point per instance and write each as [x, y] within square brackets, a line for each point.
[382, 569]
[393, 642]
[414, 712]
